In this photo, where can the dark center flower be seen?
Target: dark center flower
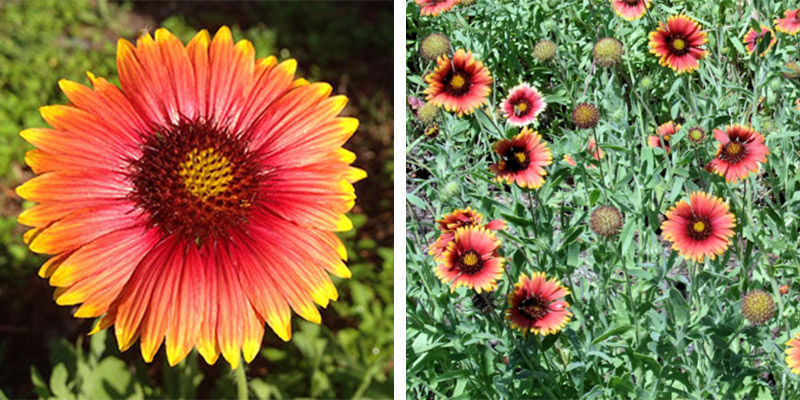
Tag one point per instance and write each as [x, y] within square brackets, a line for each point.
[631, 2]
[195, 179]
[678, 45]
[516, 159]
[699, 228]
[457, 84]
[534, 307]
[734, 152]
[470, 262]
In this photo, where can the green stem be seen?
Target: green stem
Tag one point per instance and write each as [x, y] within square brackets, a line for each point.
[241, 383]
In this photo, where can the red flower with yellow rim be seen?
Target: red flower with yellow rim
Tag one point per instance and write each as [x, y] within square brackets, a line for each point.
[793, 354]
[753, 38]
[535, 305]
[522, 160]
[523, 105]
[460, 85]
[435, 7]
[701, 228]
[471, 260]
[177, 209]
[740, 150]
[457, 219]
[630, 9]
[678, 44]
[665, 132]
[790, 23]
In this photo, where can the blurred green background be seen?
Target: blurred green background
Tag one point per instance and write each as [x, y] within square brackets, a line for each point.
[45, 352]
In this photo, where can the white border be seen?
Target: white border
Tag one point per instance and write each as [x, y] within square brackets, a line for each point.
[399, 199]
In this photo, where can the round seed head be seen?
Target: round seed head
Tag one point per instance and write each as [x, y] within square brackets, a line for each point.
[434, 46]
[545, 50]
[606, 221]
[607, 52]
[646, 82]
[758, 307]
[795, 73]
[585, 116]
[427, 113]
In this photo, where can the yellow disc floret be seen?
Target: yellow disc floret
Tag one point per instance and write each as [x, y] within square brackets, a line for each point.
[206, 173]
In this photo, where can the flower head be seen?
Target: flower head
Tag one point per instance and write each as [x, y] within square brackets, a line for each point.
[535, 305]
[758, 307]
[523, 105]
[701, 228]
[784, 289]
[739, 151]
[607, 52]
[606, 221]
[427, 113]
[457, 219]
[795, 70]
[790, 23]
[665, 133]
[544, 50]
[177, 209]
[569, 160]
[435, 7]
[630, 9]
[522, 159]
[678, 44]
[585, 116]
[460, 85]
[753, 38]
[697, 135]
[434, 46]
[471, 259]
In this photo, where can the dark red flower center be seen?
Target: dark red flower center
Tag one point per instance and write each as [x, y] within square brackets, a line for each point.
[631, 2]
[734, 151]
[516, 159]
[523, 107]
[678, 44]
[534, 307]
[699, 228]
[470, 262]
[195, 180]
[457, 83]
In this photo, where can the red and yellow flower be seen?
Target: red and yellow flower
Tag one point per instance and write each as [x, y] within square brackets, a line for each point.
[523, 105]
[665, 132]
[435, 7]
[700, 228]
[471, 260]
[793, 354]
[177, 208]
[595, 150]
[790, 23]
[535, 305]
[630, 9]
[460, 85]
[522, 160]
[457, 219]
[740, 150]
[678, 44]
[753, 38]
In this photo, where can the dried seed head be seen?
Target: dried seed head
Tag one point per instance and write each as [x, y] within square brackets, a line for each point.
[606, 221]
[607, 52]
[758, 307]
[585, 116]
[434, 46]
[545, 50]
